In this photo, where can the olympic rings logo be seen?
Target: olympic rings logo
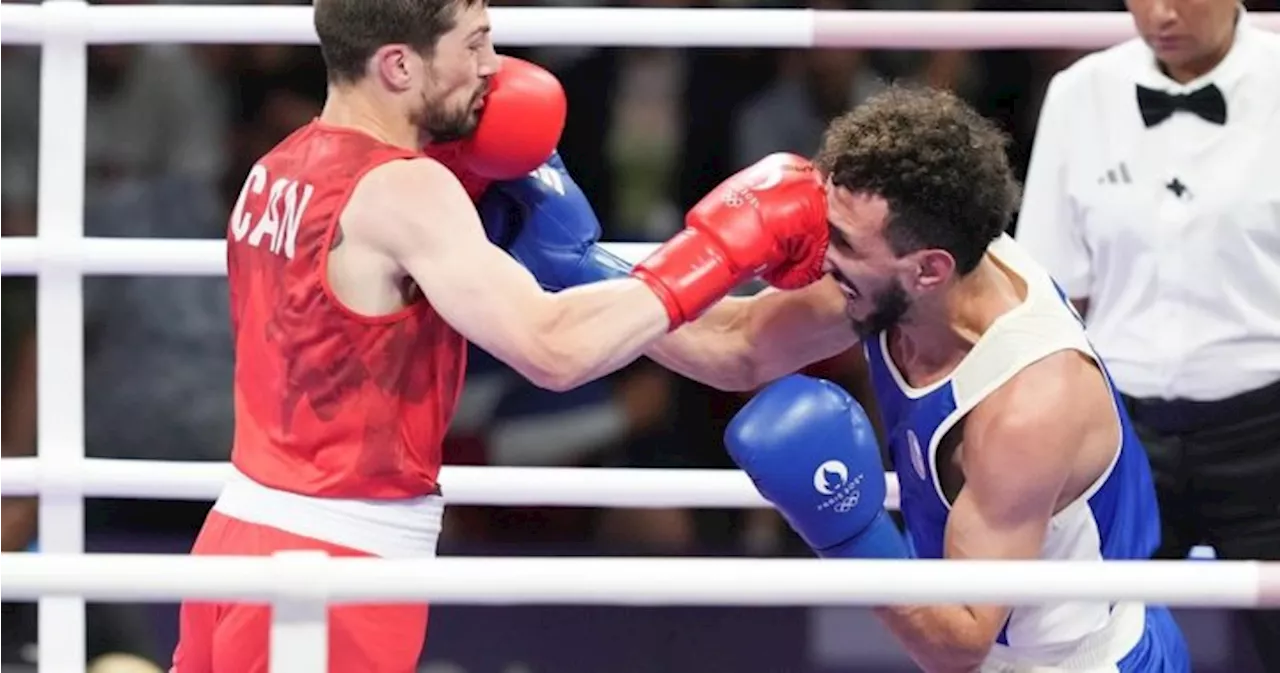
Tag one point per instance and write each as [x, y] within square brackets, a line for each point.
[847, 504]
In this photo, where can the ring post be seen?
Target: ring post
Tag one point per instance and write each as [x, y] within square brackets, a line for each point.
[60, 320]
[299, 613]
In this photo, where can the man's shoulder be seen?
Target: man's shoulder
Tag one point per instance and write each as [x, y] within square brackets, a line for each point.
[390, 184]
[1043, 396]
[1030, 426]
[392, 201]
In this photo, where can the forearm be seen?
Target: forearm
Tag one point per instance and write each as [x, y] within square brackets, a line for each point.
[744, 343]
[940, 638]
[594, 330]
[714, 349]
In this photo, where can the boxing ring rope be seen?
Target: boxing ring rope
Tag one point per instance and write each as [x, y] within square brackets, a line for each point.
[636, 581]
[61, 577]
[463, 485]
[599, 26]
[27, 255]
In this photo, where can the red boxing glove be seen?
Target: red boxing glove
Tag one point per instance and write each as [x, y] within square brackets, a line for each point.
[520, 126]
[770, 218]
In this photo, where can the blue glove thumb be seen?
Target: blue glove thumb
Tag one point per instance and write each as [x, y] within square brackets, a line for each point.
[811, 451]
[545, 222]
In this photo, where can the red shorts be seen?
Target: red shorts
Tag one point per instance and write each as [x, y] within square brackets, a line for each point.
[233, 637]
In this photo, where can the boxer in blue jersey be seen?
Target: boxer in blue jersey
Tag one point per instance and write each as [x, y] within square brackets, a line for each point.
[1007, 437]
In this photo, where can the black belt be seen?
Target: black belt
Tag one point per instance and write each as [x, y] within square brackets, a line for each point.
[1181, 415]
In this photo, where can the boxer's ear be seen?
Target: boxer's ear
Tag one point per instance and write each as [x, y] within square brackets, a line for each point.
[929, 269]
[397, 66]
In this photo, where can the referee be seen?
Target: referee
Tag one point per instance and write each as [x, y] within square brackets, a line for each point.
[1153, 197]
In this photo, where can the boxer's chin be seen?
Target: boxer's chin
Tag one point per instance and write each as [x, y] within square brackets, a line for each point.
[870, 315]
[445, 125]
[449, 130]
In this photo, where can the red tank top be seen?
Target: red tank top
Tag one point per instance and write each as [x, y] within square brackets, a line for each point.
[329, 402]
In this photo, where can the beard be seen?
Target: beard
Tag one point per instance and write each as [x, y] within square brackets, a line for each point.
[446, 124]
[890, 305]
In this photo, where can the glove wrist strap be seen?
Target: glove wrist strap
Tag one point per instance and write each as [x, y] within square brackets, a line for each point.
[693, 272]
[880, 540]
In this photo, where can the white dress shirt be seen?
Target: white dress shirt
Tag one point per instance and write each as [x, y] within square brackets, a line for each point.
[1172, 232]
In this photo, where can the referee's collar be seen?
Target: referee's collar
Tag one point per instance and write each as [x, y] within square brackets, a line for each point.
[1226, 74]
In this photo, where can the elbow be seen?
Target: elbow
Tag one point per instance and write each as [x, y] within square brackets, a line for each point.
[556, 377]
[967, 659]
[559, 381]
[555, 368]
[551, 359]
[965, 653]
[960, 648]
[953, 658]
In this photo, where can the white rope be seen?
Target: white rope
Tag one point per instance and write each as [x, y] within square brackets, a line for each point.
[611, 26]
[636, 581]
[27, 255]
[462, 485]
[556, 26]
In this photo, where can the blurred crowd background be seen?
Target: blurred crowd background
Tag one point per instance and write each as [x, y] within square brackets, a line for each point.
[172, 130]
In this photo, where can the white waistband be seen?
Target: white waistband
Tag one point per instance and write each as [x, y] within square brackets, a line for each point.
[1097, 652]
[388, 528]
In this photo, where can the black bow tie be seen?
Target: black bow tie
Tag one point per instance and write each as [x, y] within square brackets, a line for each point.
[1157, 106]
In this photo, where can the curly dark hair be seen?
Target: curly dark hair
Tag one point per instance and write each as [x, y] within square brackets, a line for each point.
[941, 167]
[352, 30]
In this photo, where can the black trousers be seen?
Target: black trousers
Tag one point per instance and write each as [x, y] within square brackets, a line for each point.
[1217, 474]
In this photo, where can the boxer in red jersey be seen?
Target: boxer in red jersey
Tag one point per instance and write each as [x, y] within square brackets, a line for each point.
[358, 268]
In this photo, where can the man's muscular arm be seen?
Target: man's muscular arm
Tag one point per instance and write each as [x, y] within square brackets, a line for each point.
[743, 343]
[545, 222]
[418, 214]
[1028, 428]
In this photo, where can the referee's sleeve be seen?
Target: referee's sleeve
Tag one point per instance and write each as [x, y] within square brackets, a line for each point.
[1048, 227]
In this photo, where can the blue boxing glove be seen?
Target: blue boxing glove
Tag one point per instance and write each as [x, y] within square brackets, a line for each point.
[545, 222]
[811, 451]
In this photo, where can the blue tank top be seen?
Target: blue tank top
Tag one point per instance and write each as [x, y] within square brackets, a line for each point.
[1123, 506]
[1116, 518]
